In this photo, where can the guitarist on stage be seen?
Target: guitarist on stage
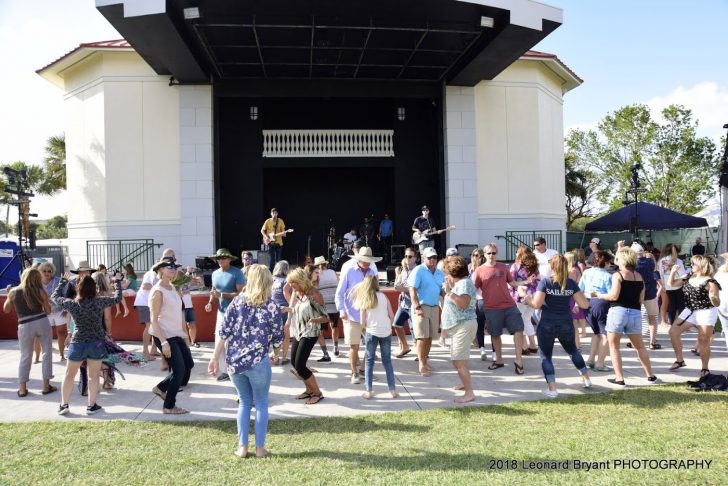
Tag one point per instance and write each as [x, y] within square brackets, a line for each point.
[424, 223]
[273, 231]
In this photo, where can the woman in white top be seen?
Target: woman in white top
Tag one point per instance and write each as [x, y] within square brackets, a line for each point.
[376, 319]
[328, 281]
[675, 300]
[169, 332]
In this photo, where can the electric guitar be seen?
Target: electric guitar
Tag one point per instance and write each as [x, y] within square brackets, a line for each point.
[271, 237]
[420, 236]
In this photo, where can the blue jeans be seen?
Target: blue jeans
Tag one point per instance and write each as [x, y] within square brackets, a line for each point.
[547, 332]
[253, 385]
[385, 345]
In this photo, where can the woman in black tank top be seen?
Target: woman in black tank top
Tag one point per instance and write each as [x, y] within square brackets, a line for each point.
[624, 317]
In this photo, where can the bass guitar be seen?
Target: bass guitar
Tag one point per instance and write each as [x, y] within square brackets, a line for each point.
[420, 236]
[271, 237]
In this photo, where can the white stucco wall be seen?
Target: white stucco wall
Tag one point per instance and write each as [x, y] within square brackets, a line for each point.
[144, 151]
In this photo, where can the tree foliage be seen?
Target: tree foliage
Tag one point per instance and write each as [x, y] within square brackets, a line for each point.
[54, 165]
[678, 169]
[53, 228]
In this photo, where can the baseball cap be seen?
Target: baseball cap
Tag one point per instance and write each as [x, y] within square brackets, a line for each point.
[595, 240]
[637, 248]
[452, 252]
[425, 208]
[429, 252]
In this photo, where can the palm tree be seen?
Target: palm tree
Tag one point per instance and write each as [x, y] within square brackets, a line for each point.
[577, 192]
[54, 177]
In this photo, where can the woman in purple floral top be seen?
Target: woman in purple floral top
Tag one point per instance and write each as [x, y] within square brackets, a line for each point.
[251, 325]
[525, 268]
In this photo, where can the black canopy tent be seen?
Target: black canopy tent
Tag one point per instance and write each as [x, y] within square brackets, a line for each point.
[650, 217]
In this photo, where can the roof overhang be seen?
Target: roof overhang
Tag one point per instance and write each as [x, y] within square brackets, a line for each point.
[54, 71]
[569, 79]
[410, 40]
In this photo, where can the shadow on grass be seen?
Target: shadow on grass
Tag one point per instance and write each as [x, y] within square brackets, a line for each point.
[648, 397]
[423, 460]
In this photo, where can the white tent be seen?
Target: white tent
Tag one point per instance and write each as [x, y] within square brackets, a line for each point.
[711, 212]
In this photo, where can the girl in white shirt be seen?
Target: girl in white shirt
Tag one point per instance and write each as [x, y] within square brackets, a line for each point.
[376, 319]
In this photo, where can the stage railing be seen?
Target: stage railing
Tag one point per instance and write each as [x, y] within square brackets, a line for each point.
[116, 253]
[514, 239]
[328, 143]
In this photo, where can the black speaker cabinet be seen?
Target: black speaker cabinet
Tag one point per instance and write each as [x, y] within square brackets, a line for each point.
[397, 254]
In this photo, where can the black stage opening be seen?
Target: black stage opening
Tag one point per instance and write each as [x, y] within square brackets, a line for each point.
[311, 191]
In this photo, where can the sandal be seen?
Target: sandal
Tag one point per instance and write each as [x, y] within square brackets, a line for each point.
[533, 350]
[315, 398]
[525, 352]
[48, 390]
[654, 346]
[704, 372]
[174, 411]
[677, 365]
[495, 366]
[519, 368]
[23, 394]
[616, 381]
[304, 396]
[695, 352]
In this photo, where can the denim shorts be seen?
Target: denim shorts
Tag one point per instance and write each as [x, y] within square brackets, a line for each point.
[623, 320]
[82, 351]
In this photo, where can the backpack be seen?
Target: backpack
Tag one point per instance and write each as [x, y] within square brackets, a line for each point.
[710, 382]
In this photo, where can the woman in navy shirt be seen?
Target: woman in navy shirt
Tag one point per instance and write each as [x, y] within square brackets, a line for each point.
[552, 296]
[250, 326]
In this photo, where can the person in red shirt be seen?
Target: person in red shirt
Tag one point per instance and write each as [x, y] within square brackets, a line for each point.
[493, 279]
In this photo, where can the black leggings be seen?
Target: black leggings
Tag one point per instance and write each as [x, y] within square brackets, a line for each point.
[180, 366]
[300, 351]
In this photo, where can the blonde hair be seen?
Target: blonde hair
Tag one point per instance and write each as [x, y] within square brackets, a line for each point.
[364, 294]
[626, 257]
[560, 270]
[579, 254]
[300, 277]
[405, 264]
[703, 264]
[571, 258]
[490, 245]
[33, 292]
[724, 267]
[260, 282]
[48, 265]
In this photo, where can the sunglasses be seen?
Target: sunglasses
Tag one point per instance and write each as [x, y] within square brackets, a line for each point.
[410, 256]
[537, 244]
[432, 258]
[492, 253]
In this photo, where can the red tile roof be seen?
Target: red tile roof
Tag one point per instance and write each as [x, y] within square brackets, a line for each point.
[546, 55]
[109, 44]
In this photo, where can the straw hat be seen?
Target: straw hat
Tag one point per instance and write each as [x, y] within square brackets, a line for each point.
[83, 266]
[319, 260]
[223, 253]
[365, 255]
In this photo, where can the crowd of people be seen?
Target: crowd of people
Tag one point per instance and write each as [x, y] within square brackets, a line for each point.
[269, 318]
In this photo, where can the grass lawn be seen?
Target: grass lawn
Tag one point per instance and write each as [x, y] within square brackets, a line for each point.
[445, 446]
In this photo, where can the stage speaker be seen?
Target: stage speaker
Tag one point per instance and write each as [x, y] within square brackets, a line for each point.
[205, 263]
[391, 275]
[465, 250]
[207, 279]
[397, 253]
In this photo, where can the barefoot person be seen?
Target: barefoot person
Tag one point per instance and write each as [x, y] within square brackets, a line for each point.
[30, 303]
[169, 332]
[702, 298]
[376, 319]
[553, 295]
[458, 319]
[252, 324]
[89, 335]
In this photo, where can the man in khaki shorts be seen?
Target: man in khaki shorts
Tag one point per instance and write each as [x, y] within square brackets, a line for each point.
[425, 283]
[350, 276]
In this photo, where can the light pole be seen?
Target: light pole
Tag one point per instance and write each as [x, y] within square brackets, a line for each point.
[634, 191]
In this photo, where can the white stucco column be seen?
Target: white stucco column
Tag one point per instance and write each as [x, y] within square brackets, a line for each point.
[197, 235]
[461, 198]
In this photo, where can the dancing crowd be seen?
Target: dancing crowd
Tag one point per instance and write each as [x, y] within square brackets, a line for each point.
[274, 318]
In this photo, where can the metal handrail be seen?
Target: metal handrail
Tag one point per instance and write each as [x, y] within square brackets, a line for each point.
[115, 253]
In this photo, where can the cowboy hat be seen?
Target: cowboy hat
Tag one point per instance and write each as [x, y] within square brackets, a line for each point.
[365, 255]
[83, 266]
[166, 262]
[223, 253]
[320, 260]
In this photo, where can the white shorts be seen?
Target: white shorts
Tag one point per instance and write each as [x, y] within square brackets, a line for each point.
[700, 317]
[59, 318]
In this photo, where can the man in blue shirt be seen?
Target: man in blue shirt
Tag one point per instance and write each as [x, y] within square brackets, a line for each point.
[425, 284]
[386, 230]
[227, 282]
[350, 276]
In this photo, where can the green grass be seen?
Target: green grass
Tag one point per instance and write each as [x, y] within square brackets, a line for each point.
[444, 446]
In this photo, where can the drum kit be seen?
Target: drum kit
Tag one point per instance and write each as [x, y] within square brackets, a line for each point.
[338, 249]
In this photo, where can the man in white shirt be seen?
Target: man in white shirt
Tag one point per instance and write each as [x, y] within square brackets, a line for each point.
[544, 256]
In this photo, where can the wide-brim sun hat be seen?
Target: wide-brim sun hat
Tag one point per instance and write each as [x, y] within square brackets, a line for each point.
[223, 253]
[320, 260]
[365, 255]
[83, 266]
[166, 262]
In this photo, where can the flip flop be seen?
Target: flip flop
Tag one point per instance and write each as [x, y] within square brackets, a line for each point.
[495, 366]
[315, 398]
[21, 395]
[50, 389]
[304, 396]
[404, 353]
[677, 365]
[519, 369]
[174, 411]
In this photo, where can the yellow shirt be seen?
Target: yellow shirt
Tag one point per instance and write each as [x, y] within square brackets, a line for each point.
[270, 227]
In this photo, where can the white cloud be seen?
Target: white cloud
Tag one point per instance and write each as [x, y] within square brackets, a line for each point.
[707, 100]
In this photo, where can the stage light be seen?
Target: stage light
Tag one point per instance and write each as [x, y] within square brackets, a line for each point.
[253, 113]
[401, 113]
[192, 13]
[487, 22]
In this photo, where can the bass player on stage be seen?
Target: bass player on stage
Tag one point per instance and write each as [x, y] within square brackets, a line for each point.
[273, 231]
[424, 223]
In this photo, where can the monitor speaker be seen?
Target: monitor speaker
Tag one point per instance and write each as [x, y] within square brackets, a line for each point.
[397, 254]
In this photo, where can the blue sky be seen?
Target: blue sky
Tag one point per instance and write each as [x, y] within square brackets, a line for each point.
[650, 51]
[640, 51]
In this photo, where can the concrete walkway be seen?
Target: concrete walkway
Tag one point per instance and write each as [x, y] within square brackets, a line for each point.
[208, 399]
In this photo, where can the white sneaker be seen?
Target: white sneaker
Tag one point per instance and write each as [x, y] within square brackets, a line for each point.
[550, 394]
[355, 379]
[483, 354]
[587, 383]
